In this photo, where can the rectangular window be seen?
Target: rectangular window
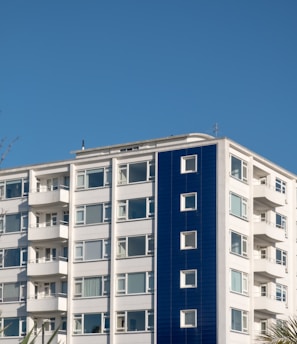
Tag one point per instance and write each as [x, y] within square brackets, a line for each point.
[280, 186]
[91, 250]
[239, 244]
[239, 282]
[188, 201]
[91, 286]
[238, 206]
[93, 214]
[281, 257]
[134, 246]
[12, 292]
[188, 318]
[188, 240]
[14, 188]
[239, 320]
[188, 278]
[135, 283]
[238, 169]
[281, 292]
[131, 321]
[189, 164]
[11, 223]
[136, 172]
[280, 221]
[138, 208]
[90, 323]
[13, 257]
[13, 327]
[89, 179]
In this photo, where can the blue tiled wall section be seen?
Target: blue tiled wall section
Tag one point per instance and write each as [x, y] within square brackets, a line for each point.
[170, 259]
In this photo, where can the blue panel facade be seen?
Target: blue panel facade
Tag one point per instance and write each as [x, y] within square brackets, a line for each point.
[170, 260]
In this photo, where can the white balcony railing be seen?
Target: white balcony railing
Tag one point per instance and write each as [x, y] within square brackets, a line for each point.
[48, 233]
[56, 303]
[43, 267]
[44, 197]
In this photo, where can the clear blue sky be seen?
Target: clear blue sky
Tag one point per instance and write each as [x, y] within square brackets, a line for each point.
[118, 71]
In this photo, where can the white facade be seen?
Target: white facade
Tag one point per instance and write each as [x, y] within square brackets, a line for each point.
[79, 244]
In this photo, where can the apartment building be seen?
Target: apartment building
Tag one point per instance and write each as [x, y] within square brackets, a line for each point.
[184, 239]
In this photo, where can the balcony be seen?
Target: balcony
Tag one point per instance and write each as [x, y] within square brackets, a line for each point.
[60, 196]
[46, 268]
[58, 339]
[268, 196]
[268, 268]
[269, 305]
[59, 232]
[47, 304]
[268, 232]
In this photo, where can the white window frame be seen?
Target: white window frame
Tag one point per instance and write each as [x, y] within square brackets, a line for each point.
[79, 282]
[183, 164]
[243, 169]
[81, 209]
[243, 206]
[78, 318]
[22, 330]
[81, 245]
[183, 236]
[183, 201]
[183, 278]
[284, 257]
[183, 314]
[124, 277]
[122, 316]
[23, 222]
[124, 172]
[280, 186]
[244, 321]
[123, 209]
[81, 178]
[124, 242]
[244, 282]
[243, 244]
[283, 289]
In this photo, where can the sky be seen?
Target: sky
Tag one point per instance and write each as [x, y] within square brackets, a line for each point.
[112, 72]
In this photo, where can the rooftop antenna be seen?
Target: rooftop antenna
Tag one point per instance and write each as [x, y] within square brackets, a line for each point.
[83, 145]
[215, 129]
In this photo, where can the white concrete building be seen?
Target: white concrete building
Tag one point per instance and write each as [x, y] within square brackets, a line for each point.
[184, 239]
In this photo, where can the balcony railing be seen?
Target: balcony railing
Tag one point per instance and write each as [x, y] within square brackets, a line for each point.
[56, 232]
[268, 267]
[269, 232]
[267, 195]
[53, 303]
[43, 267]
[269, 304]
[39, 197]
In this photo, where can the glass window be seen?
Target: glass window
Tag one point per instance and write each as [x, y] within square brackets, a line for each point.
[188, 201]
[238, 169]
[280, 186]
[136, 321]
[92, 323]
[137, 208]
[136, 283]
[188, 318]
[11, 327]
[94, 214]
[280, 221]
[12, 257]
[281, 292]
[134, 246]
[239, 244]
[188, 240]
[239, 282]
[93, 250]
[281, 257]
[14, 188]
[95, 178]
[239, 321]
[238, 206]
[189, 164]
[188, 278]
[11, 292]
[137, 172]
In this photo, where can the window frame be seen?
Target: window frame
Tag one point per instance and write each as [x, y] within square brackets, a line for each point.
[183, 236]
[184, 197]
[183, 278]
[243, 244]
[243, 320]
[24, 187]
[79, 318]
[121, 319]
[82, 209]
[80, 281]
[244, 282]
[83, 175]
[183, 313]
[82, 246]
[124, 277]
[123, 244]
[283, 257]
[23, 222]
[241, 175]
[123, 172]
[243, 211]
[280, 185]
[123, 207]
[183, 164]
